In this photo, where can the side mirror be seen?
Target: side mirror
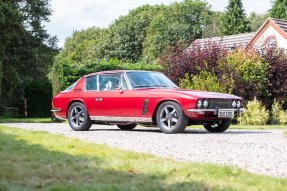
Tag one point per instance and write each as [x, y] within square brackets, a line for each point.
[120, 89]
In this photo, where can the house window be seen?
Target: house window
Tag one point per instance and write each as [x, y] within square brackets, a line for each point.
[270, 42]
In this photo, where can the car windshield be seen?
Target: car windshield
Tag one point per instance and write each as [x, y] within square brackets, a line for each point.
[149, 80]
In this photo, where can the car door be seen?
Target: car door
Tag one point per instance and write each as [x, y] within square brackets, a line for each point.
[114, 98]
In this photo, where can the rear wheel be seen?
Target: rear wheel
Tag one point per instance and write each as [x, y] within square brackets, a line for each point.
[78, 117]
[127, 126]
[219, 126]
[171, 118]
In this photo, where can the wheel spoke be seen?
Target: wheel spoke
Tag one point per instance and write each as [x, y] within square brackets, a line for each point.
[174, 119]
[77, 122]
[168, 123]
[173, 111]
[81, 119]
[80, 112]
[75, 111]
[166, 111]
[164, 119]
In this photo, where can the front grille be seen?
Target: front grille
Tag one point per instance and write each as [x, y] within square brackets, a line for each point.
[220, 103]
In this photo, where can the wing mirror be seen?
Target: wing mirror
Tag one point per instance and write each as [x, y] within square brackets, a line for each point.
[120, 89]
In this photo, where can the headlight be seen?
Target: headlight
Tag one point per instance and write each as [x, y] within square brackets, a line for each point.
[234, 104]
[199, 103]
[205, 103]
[238, 104]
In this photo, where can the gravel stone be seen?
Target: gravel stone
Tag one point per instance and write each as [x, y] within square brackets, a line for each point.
[257, 151]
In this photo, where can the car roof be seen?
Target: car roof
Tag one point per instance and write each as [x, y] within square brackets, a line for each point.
[116, 71]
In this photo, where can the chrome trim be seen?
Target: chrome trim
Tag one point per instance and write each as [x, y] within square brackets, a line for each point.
[121, 119]
[128, 81]
[214, 110]
[55, 110]
[97, 84]
[59, 117]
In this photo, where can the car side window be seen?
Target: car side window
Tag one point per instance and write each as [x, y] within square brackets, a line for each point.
[91, 83]
[108, 82]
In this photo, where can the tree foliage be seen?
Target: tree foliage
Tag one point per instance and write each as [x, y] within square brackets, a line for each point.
[26, 50]
[235, 21]
[256, 20]
[279, 9]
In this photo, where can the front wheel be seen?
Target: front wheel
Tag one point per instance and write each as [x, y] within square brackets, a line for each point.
[170, 117]
[78, 117]
[219, 126]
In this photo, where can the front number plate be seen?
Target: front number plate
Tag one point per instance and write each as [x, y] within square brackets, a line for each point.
[228, 114]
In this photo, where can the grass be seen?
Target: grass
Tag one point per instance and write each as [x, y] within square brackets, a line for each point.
[25, 120]
[285, 133]
[247, 127]
[258, 127]
[33, 160]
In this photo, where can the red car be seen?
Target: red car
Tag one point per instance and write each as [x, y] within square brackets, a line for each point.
[128, 98]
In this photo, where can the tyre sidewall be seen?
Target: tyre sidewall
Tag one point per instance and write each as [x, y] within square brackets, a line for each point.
[223, 126]
[182, 119]
[87, 122]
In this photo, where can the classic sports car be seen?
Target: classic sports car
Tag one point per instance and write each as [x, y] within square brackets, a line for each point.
[128, 98]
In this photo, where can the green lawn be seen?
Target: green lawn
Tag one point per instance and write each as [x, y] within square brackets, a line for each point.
[258, 127]
[247, 127]
[25, 120]
[31, 160]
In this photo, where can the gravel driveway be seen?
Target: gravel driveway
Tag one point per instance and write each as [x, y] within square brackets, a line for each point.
[258, 151]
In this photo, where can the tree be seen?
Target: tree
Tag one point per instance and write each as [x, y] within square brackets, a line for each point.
[26, 50]
[235, 21]
[279, 9]
[256, 20]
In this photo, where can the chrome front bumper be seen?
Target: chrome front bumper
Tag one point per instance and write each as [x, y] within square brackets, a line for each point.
[56, 110]
[215, 111]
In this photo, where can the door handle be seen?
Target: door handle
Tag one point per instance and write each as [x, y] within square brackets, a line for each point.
[99, 99]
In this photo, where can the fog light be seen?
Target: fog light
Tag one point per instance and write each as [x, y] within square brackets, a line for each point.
[199, 103]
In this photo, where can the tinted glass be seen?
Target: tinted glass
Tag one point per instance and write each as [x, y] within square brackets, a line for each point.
[91, 83]
[149, 79]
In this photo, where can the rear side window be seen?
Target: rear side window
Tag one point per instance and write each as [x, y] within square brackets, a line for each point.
[91, 83]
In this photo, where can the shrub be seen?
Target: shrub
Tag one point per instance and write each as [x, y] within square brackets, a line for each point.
[249, 72]
[255, 114]
[283, 117]
[275, 113]
[177, 60]
[277, 78]
[65, 73]
[205, 81]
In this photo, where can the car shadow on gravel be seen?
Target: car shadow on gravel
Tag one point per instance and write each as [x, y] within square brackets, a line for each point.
[187, 131]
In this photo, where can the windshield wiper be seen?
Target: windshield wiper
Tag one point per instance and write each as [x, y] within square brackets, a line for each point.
[142, 86]
[160, 85]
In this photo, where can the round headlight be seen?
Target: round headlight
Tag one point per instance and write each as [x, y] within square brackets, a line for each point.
[234, 103]
[199, 103]
[205, 103]
[238, 104]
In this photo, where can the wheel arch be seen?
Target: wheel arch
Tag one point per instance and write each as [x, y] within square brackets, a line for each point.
[70, 103]
[157, 106]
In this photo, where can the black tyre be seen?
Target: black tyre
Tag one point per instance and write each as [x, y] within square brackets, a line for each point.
[127, 126]
[78, 117]
[170, 118]
[219, 126]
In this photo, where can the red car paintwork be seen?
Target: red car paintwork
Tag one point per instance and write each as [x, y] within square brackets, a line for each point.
[129, 103]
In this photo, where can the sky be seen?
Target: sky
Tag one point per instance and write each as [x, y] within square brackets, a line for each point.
[70, 15]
